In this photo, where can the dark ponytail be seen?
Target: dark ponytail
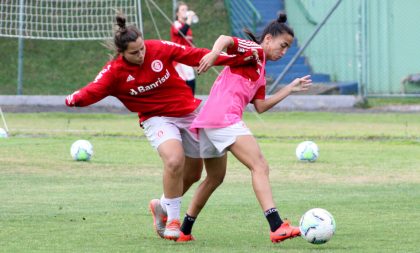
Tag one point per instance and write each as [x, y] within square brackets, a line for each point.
[275, 27]
[124, 34]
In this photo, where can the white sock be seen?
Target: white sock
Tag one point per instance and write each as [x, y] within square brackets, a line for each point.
[161, 202]
[172, 207]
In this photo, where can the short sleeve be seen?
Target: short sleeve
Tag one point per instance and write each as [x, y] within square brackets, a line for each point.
[260, 94]
[233, 49]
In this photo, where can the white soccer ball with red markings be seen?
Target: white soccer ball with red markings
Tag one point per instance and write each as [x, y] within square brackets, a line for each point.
[317, 226]
[81, 150]
[307, 151]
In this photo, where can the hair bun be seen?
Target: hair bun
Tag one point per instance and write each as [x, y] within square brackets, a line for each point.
[282, 18]
[121, 22]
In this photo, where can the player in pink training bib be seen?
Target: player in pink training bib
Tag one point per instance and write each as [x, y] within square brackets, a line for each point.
[221, 127]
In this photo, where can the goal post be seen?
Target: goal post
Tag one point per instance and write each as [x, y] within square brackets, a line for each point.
[62, 20]
[65, 20]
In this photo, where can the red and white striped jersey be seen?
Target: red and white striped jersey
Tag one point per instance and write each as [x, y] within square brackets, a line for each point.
[252, 72]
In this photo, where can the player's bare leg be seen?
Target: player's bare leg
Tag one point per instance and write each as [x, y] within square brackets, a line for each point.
[216, 171]
[192, 171]
[248, 152]
[172, 155]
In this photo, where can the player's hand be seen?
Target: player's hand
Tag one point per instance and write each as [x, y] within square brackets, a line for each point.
[255, 55]
[207, 61]
[301, 84]
[71, 99]
[250, 57]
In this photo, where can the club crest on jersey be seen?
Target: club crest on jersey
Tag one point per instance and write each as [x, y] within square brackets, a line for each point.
[157, 66]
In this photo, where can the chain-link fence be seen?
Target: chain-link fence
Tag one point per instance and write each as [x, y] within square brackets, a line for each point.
[372, 42]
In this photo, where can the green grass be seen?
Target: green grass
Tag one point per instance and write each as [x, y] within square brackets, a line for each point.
[375, 102]
[367, 176]
[60, 67]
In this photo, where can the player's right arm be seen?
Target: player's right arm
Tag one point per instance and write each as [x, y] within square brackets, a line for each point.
[94, 91]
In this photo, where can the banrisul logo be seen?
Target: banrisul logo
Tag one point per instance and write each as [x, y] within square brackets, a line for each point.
[143, 88]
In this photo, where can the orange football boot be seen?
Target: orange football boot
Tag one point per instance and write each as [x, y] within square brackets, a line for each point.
[285, 231]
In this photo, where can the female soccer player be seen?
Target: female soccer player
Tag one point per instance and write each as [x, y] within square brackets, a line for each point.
[143, 78]
[181, 33]
[221, 127]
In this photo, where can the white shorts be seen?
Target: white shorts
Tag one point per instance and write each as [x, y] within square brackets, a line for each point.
[185, 72]
[159, 129]
[215, 141]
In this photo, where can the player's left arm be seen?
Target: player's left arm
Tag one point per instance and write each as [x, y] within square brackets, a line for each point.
[224, 42]
[299, 84]
[192, 56]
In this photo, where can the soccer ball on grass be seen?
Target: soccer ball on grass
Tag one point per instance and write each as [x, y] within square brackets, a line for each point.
[81, 150]
[3, 133]
[307, 151]
[317, 226]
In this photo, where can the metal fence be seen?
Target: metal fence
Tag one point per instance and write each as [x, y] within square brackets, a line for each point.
[245, 15]
[370, 41]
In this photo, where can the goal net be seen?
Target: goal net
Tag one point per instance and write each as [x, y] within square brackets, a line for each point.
[64, 19]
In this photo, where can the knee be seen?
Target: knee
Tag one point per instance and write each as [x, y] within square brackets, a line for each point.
[192, 176]
[215, 181]
[261, 167]
[195, 177]
[174, 164]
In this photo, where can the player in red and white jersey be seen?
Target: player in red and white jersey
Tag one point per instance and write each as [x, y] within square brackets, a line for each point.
[143, 78]
[181, 31]
[182, 34]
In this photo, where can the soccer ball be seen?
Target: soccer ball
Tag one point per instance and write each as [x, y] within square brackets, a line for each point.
[307, 151]
[3, 133]
[81, 150]
[317, 226]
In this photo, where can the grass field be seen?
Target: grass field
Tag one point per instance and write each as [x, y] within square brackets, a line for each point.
[367, 176]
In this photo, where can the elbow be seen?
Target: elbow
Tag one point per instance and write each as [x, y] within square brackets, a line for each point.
[227, 40]
[259, 109]
[223, 37]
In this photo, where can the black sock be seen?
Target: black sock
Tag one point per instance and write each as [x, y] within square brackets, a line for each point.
[273, 218]
[187, 224]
